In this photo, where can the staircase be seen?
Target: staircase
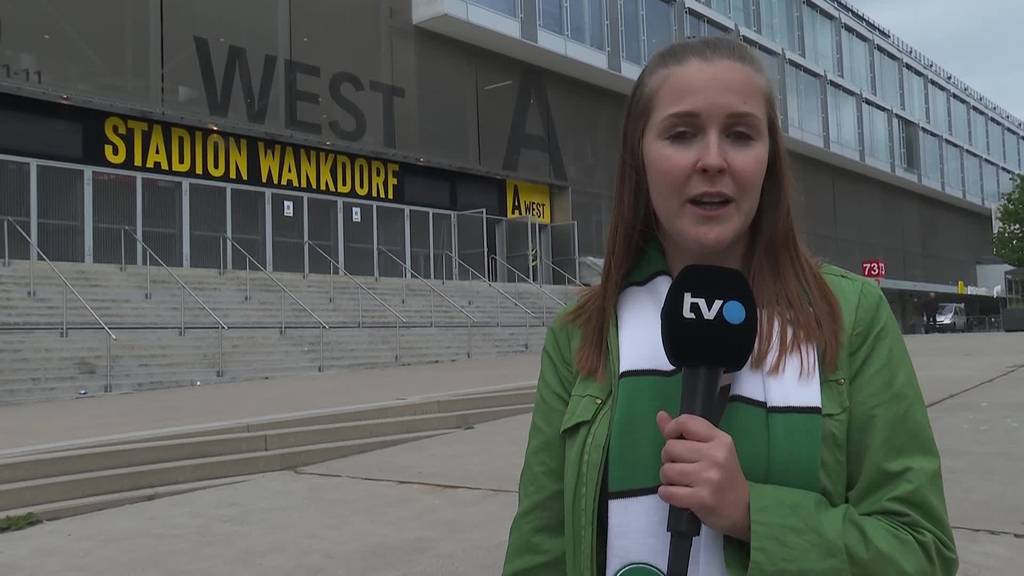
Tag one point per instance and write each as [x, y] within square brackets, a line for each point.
[39, 364]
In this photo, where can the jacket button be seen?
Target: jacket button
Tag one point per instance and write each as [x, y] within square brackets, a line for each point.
[598, 401]
[841, 381]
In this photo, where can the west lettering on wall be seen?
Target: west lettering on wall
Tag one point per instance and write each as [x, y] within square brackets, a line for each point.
[298, 76]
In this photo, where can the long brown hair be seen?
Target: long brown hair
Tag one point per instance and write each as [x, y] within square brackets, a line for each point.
[791, 294]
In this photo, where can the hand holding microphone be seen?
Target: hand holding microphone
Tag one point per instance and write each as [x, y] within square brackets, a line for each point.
[701, 472]
[708, 327]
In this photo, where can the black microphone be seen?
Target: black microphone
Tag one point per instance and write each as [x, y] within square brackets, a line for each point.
[708, 327]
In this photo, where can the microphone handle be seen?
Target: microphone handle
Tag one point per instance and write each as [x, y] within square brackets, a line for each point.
[700, 397]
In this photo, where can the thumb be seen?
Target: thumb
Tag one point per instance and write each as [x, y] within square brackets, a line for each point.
[663, 420]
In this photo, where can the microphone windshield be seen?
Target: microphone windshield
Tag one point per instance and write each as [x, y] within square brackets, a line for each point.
[709, 318]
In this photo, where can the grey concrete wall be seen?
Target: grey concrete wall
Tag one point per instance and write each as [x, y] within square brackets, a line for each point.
[847, 218]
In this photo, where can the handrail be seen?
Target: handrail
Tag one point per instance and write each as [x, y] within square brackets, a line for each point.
[275, 281]
[458, 260]
[592, 266]
[566, 274]
[8, 221]
[523, 276]
[159, 261]
[361, 286]
[428, 285]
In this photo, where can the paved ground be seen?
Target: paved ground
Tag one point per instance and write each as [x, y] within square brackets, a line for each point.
[442, 506]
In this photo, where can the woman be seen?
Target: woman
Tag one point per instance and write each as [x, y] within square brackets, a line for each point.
[825, 461]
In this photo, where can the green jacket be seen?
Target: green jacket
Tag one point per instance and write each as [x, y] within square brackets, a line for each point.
[880, 509]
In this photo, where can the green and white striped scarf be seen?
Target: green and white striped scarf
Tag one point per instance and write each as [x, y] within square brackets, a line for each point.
[775, 422]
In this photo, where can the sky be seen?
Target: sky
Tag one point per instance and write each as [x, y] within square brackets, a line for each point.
[981, 41]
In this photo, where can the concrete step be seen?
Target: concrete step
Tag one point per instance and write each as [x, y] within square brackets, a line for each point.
[48, 490]
[80, 506]
[82, 461]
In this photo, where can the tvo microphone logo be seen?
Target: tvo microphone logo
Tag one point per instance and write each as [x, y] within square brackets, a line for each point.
[733, 312]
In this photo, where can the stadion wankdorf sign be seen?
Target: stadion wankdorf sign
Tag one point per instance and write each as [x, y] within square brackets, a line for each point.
[132, 143]
[73, 134]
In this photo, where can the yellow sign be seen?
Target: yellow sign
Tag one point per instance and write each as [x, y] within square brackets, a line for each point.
[526, 199]
[208, 153]
[961, 288]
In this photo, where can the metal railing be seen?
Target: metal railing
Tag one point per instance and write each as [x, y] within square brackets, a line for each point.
[67, 286]
[501, 294]
[470, 320]
[518, 275]
[249, 259]
[566, 275]
[221, 326]
[359, 293]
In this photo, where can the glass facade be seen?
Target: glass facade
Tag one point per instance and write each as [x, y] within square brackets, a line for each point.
[587, 22]
[995, 141]
[632, 33]
[876, 134]
[659, 18]
[972, 177]
[819, 38]
[913, 90]
[804, 104]
[856, 60]
[742, 11]
[979, 131]
[1012, 150]
[779, 20]
[887, 78]
[1005, 183]
[954, 170]
[991, 178]
[931, 159]
[551, 16]
[959, 119]
[842, 121]
[504, 6]
[905, 133]
[938, 109]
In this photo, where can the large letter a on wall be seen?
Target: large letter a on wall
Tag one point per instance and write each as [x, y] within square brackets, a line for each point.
[533, 92]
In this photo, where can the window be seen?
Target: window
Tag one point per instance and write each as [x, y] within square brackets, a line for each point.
[842, 121]
[770, 63]
[742, 12]
[954, 170]
[586, 22]
[991, 177]
[979, 131]
[958, 115]
[931, 159]
[1012, 150]
[995, 140]
[720, 6]
[716, 30]
[1005, 183]
[658, 15]
[906, 144]
[913, 89]
[856, 60]
[504, 6]
[551, 16]
[819, 38]
[938, 113]
[887, 69]
[804, 103]
[972, 176]
[876, 134]
[779, 22]
[632, 44]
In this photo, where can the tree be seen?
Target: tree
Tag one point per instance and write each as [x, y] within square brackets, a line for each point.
[1008, 241]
